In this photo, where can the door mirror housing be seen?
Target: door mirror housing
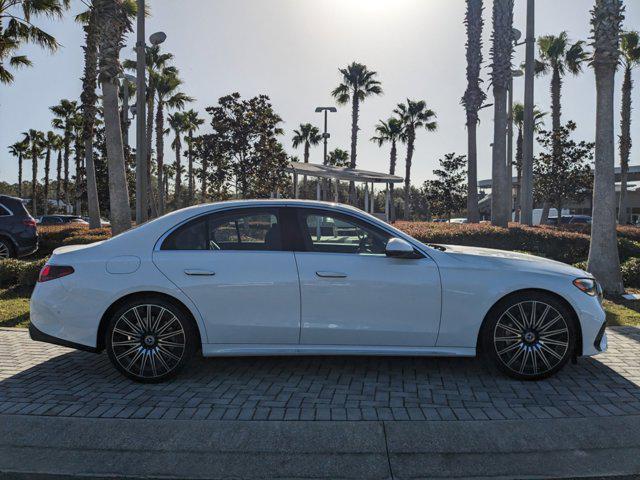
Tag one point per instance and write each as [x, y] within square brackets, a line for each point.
[399, 248]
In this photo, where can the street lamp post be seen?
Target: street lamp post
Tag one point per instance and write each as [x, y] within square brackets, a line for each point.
[126, 78]
[325, 135]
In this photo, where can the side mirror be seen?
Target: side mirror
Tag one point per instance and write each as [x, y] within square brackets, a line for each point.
[399, 248]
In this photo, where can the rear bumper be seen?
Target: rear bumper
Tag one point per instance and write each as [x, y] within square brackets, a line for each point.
[40, 336]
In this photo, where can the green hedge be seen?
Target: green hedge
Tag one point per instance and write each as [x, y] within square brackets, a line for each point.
[558, 244]
[20, 272]
[631, 272]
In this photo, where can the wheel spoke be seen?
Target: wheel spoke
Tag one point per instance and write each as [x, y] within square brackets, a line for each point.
[128, 352]
[525, 357]
[515, 321]
[139, 320]
[134, 329]
[523, 315]
[553, 333]
[539, 351]
[158, 319]
[532, 321]
[164, 336]
[515, 357]
[143, 362]
[540, 320]
[534, 361]
[166, 325]
[160, 357]
[553, 342]
[508, 339]
[509, 348]
[551, 351]
[165, 343]
[126, 343]
[135, 358]
[168, 353]
[549, 324]
[510, 329]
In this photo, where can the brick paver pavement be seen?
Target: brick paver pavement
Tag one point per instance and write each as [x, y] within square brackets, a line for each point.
[42, 379]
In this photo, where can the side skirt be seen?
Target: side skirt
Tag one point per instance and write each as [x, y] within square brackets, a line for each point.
[218, 350]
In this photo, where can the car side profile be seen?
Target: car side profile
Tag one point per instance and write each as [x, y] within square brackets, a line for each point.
[18, 235]
[289, 277]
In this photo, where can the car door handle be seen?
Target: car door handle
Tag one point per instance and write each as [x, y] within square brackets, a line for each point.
[202, 273]
[331, 274]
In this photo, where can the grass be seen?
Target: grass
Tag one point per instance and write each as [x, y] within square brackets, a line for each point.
[14, 310]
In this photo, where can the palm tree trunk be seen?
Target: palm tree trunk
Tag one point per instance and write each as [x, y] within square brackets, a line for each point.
[526, 186]
[34, 182]
[89, 111]
[47, 165]
[499, 214]
[625, 144]
[79, 177]
[519, 142]
[392, 171]
[178, 184]
[407, 175]
[67, 154]
[118, 191]
[58, 178]
[604, 262]
[355, 112]
[191, 179]
[473, 215]
[150, 111]
[203, 178]
[20, 175]
[160, 155]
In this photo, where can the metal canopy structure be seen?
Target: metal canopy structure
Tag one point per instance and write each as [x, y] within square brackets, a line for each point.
[345, 174]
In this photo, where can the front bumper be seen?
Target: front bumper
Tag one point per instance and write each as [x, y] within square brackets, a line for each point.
[40, 336]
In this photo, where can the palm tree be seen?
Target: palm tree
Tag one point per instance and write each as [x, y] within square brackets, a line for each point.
[630, 50]
[192, 122]
[19, 15]
[518, 121]
[501, 52]
[113, 24]
[177, 124]
[559, 56]
[604, 263]
[78, 147]
[306, 135]
[51, 142]
[472, 100]
[35, 140]
[414, 115]
[391, 132]
[166, 84]
[19, 150]
[65, 113]
[358, 83]
[157, 63]
[338, 158]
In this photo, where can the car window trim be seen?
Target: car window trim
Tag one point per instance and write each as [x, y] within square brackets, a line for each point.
[302, 247]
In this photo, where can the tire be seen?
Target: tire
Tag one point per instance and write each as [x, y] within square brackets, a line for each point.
[6, 249]
[150, 351]
[525, 348]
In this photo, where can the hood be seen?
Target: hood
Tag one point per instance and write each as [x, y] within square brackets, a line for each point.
[503, 259]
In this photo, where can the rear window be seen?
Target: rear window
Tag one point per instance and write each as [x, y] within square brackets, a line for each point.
[14, 207]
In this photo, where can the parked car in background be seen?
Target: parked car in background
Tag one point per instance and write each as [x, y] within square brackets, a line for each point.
[286, 277]
[570, 220]
[458, 220]
[103, 222]
[61, 219]
[18, 235]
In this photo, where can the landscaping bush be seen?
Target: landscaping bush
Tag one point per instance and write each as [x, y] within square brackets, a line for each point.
[631, 272]
[562, 244]
[20, 272]
[53, 236]
[84, 239]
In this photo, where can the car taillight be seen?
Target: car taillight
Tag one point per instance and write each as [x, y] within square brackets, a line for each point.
[29, 222]
[51, 272]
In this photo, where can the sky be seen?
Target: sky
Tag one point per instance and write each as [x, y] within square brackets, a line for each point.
[291, 50]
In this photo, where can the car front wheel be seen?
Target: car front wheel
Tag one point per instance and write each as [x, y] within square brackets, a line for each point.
[150, 340]
[6, 251]
[530, 336]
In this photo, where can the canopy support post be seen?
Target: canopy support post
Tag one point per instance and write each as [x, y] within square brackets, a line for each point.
[336, 198]
[318, 189]
[296, 187]
[366, 196]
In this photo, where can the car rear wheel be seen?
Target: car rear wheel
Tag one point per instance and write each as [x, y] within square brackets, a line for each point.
[150, 340]
[530, 336]
[6, 251]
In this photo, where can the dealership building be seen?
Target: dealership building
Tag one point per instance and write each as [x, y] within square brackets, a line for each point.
[582, 208]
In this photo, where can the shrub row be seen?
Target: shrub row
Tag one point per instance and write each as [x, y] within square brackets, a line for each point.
[20, 272]
[558, 244]
[52, 237]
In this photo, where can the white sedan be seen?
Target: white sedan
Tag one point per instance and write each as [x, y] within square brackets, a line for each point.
[286, 277]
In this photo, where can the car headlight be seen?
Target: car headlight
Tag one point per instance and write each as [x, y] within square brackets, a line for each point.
[589, 286]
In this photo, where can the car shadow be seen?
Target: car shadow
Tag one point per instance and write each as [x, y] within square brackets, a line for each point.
[73, 383]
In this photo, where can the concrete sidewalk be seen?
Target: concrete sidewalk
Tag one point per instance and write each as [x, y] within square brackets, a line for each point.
[55, 447]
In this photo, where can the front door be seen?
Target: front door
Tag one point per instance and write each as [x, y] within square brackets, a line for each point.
[233, 266]
[353, 294]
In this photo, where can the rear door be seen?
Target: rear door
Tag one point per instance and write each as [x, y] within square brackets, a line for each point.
[235, 267]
